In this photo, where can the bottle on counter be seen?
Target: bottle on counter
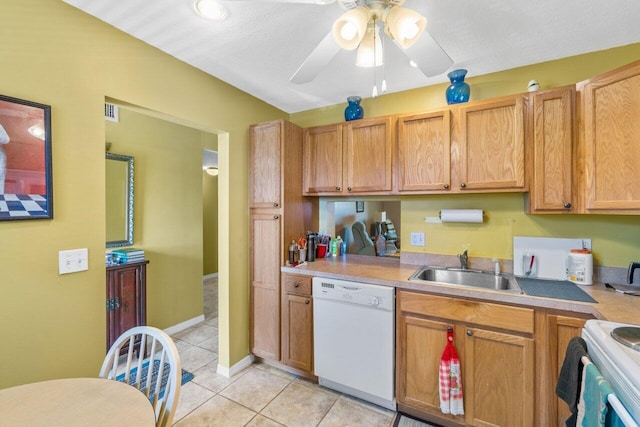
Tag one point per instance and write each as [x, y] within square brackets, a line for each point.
[293, 252]
[334, 247]
[311, 247]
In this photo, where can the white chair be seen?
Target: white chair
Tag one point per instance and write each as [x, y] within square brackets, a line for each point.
[158, 377]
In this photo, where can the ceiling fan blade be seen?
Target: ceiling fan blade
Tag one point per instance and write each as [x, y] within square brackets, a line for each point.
[316, 61]
[430, 58]
[321, 2]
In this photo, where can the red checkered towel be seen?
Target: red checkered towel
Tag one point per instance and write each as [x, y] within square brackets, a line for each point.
[450, 379]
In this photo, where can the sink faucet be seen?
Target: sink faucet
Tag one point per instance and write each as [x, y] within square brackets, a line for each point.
[464, 260]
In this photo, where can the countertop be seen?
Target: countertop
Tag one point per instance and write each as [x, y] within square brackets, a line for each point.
[611, 305]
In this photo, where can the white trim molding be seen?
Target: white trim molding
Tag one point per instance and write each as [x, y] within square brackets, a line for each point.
[229, 372]
[171, 330]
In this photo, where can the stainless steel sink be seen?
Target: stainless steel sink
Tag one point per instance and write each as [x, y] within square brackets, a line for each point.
[471, 278]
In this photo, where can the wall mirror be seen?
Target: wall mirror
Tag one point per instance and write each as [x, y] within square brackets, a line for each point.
[119, 200]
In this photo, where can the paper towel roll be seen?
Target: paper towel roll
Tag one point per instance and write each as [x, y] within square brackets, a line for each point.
[461, 215]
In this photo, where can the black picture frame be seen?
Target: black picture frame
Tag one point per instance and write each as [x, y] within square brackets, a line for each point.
[360, 206]
[26, 184]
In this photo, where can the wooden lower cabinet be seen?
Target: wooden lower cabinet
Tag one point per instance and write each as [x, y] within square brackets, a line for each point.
[498, 378]
[126, 298]
[297, 323]
[265, 285]
[497, 366]
[560, 328]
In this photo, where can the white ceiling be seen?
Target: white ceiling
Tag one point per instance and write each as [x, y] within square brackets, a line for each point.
[261, 44]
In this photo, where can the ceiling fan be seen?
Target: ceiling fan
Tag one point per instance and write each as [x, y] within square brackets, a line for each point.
[358, 28]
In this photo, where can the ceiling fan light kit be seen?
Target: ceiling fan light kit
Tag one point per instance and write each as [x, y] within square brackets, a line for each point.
[370, 50]
[351, 27]
[405, 26]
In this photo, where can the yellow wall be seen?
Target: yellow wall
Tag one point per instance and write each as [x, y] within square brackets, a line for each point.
[168, 206]
[210, 216]
[615, 239]
[54, 326]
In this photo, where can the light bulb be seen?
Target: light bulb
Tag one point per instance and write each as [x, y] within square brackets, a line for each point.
[409, 30]
[348, 31]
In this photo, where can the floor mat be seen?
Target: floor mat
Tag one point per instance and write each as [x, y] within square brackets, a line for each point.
[406, 421]
[186, 376]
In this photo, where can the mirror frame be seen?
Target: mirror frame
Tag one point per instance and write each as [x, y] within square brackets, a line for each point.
[129, 239]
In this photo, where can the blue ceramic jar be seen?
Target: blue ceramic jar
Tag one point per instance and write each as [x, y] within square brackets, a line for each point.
[353, 111]
[459, 90]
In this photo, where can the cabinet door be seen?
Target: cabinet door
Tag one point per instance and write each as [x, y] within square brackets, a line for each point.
[265, 285]
[424, 152]
[498, 380]
[297, 331]
[368, 155]
[323, 157]
[562, 329]
[265, 184]
[611, 135]
[490, 144]
[419, 348]
[553, 142]
[127, 286]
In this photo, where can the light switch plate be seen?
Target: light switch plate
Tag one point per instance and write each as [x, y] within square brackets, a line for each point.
[417, 239]
[72, 261]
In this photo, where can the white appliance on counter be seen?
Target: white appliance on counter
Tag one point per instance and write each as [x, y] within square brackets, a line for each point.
[354, 339]
[619, 364]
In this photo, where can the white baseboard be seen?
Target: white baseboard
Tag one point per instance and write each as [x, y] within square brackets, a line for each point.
[171, 330]
[210, 276]
[229, 372]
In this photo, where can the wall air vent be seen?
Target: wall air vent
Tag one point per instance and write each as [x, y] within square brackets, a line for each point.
[111, 112]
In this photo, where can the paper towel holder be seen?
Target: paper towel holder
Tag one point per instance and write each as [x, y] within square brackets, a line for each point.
[462, 215]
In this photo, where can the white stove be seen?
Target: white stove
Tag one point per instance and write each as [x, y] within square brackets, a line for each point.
[618, 363]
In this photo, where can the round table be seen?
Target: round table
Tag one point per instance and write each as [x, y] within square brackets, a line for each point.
[94, 402]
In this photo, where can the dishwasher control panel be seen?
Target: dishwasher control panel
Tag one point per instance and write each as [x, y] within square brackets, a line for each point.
[382, 297]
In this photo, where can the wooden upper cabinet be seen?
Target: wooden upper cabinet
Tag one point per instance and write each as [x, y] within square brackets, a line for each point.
[553, 144]
[490, 143]
[424, 152]
[368, 155]
[350, 158]
[265, 184]
[611, 109]
[322, 157]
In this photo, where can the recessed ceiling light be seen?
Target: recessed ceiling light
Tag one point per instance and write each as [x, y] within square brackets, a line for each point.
[211, 9]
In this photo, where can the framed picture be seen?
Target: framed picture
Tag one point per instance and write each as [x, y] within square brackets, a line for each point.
[360, 206]
[25, 160]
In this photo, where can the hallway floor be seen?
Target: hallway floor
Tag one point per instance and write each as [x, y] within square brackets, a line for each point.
[260, 395]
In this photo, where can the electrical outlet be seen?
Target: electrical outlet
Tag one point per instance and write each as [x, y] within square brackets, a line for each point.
[417, 239]
[73, 260]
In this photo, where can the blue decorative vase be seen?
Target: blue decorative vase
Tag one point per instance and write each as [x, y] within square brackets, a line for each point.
[459, 90]
[353, 111]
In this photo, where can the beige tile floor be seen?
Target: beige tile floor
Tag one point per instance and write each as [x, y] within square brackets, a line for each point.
[260, 395]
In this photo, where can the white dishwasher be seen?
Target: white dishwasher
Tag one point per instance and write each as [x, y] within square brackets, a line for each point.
[354, 338]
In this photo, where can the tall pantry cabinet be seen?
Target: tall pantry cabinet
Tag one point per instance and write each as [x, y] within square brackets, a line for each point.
[278, 215]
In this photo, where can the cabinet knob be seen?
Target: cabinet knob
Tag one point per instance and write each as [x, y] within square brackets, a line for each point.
[296, 285]
[307, 302]
[275, 217]
[338, 188]
[275, 205]
[446, 186]
[469, 332]
[348, 188]
[463, 185]
[567, 205]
